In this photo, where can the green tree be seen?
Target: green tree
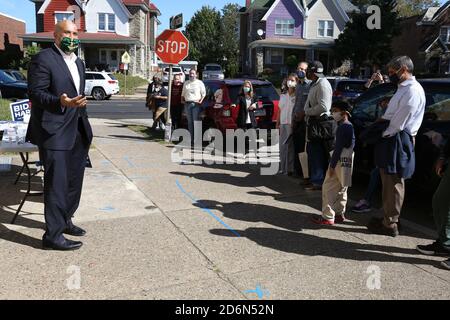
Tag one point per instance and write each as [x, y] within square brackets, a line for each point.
[230, 39]
[362, 45]
[30, 51]
[204, 34]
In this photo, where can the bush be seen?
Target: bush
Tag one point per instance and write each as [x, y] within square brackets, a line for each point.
[5, 113]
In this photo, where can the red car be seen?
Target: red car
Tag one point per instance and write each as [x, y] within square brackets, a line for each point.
[225, 117]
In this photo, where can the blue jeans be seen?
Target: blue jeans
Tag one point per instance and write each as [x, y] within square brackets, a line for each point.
[193, 111]
[317, 162]
[374, 182]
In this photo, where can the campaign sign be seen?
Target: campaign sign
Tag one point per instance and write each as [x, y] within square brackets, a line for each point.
[19, 109]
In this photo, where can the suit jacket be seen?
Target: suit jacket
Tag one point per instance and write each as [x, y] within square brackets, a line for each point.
[52, 126]
[243, 112]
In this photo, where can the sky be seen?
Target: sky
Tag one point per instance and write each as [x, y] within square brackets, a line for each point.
[24, 9]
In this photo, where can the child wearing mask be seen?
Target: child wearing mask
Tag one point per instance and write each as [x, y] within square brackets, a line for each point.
[339, 174]
[284, 124]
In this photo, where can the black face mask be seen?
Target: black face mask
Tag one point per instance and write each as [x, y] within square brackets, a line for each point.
[395, 79]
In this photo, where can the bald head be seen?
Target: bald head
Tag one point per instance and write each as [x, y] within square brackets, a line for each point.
[65, 28]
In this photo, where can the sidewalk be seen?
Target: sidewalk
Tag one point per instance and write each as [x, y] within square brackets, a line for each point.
[161, 230]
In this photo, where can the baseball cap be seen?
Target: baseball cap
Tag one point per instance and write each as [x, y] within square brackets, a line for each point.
[316, 67]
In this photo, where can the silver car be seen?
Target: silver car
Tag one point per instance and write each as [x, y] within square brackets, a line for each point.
[213, 71]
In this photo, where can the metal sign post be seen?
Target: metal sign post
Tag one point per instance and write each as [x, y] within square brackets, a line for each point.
[168, 131]
[125, 59]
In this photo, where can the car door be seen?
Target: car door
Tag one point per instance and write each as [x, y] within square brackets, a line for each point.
[89, 84]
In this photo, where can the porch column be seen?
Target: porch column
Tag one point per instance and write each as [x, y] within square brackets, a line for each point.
[259, 60]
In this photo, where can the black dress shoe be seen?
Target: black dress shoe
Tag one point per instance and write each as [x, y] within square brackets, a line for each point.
[64, 246]
[377, 226]
[75, 231]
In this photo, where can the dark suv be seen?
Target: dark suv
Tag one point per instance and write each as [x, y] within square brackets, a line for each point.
[11, 88]
[434, 131]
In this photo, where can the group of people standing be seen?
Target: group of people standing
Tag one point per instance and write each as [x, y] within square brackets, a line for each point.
[307, 105]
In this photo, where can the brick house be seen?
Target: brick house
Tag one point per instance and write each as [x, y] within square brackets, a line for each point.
[11, 46]
[107, 28]
[273, 30]
[426, 39]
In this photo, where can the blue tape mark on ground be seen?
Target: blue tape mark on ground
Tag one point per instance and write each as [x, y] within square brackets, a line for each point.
[130, 163]
[108, 209]
[208, 211]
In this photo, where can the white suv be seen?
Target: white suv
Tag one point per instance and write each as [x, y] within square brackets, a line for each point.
[101, 85]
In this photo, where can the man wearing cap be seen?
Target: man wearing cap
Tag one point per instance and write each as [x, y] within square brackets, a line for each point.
[299, 125]
[318, 104]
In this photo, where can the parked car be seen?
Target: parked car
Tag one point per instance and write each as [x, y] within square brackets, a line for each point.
[101, 85]
[11, 88]
[177, 70]
[226, 117]
[212, 71]
[335, 80]
[16, 74]
[434, 130]
[349, 89]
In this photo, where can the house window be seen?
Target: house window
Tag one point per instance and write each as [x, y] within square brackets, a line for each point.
[64, 15]
[445, 34]
[106, 22]
[274, 56]
[326, 28]
[284, 27]
[102, 56]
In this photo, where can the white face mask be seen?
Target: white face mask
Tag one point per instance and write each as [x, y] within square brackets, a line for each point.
[337, 116]
[291, 84]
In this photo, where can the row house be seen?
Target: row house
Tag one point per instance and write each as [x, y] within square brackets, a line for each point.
[107, 29]
[11, 46]
[273, 30]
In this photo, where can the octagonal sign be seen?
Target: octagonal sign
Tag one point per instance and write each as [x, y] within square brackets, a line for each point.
[172, 46]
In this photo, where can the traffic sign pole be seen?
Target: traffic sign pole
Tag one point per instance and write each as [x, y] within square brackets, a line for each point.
[168, 133]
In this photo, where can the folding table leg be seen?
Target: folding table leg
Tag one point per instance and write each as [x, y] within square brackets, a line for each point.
[21, 170]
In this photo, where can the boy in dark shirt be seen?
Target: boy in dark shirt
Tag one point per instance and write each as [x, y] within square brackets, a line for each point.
[339, 174]
[441, 211]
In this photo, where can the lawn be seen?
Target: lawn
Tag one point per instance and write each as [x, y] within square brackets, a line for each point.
[5, 113]
[132, 83]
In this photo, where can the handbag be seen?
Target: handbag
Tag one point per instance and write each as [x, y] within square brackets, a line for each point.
[321, 128]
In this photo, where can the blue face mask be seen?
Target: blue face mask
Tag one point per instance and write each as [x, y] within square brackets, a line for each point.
[301, 74]
[247, 89]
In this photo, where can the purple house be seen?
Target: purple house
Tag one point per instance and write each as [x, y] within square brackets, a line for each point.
[273, 32]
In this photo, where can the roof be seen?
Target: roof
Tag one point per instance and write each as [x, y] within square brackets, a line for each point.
[433, 14]
[104, 38]
[346, 5]
[147, 3]
[11, 17]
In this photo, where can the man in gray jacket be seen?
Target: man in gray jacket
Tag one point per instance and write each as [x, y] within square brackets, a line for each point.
[318, 103]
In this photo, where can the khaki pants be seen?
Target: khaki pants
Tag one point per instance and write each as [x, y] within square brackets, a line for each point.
[334, 196]
[393, 196]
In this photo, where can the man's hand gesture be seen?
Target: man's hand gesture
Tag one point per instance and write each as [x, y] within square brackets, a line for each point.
[77, 102]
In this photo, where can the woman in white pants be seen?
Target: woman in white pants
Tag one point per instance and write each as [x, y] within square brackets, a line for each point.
[284, 124]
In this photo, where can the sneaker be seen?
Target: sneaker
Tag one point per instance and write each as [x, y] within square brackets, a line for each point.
[340, 218]
[362, 206]
[434, 249]
[446, 264]
[377, 226]
[322, 221]
[305, 182]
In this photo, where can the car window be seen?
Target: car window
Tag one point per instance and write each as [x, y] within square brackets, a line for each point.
[174, 70]
[211, 88]
[266, 92]
[6, 78]
[89, 76]
[113, 77]
[438, 102]
[366, 106]
[351, 86]
[213, 68]
[98, 76]
[18, 75]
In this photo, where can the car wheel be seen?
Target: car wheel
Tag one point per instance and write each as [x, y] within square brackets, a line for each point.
[98, 94]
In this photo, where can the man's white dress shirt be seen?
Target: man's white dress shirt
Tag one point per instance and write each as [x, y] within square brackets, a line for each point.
[70, 60]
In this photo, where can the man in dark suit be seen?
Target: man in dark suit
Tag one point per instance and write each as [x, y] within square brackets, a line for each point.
[59, 126]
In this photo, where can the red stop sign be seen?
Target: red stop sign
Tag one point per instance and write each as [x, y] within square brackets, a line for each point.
[172, 46]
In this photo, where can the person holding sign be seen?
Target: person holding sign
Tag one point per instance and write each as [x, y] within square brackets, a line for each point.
[59, 126]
